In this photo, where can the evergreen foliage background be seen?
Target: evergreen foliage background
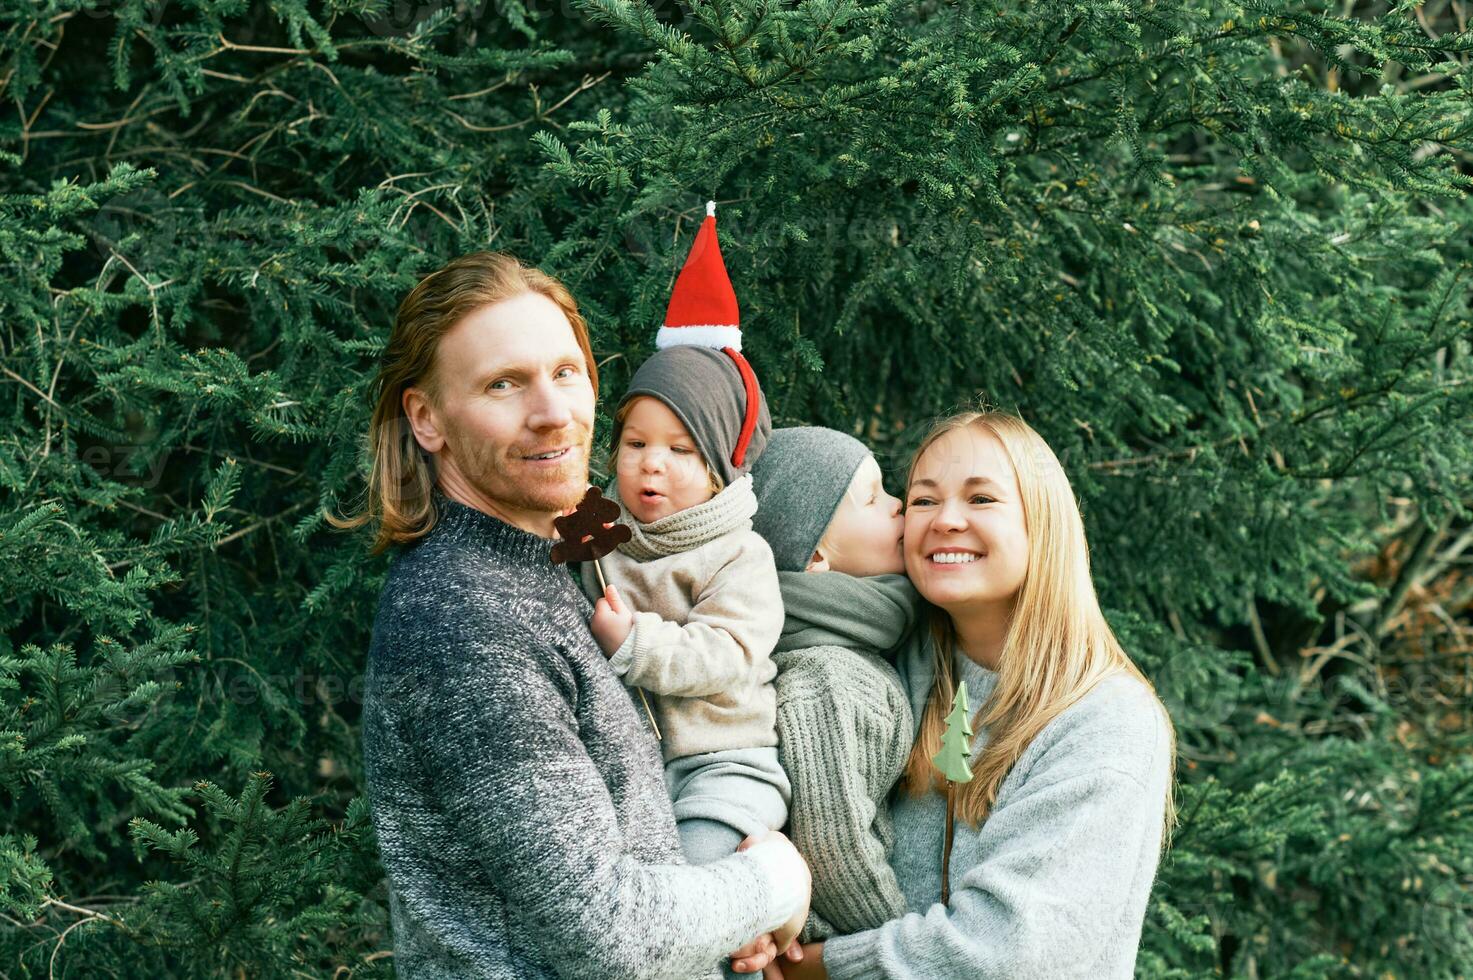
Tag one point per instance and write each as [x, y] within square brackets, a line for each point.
[1219, 254]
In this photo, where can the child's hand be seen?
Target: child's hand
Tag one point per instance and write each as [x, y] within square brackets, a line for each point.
[612, 622]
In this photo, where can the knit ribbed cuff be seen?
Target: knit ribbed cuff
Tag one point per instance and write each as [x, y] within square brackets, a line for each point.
[856, 956]
[816, 929]
[785, 875]
[621, 658]
[638, 648]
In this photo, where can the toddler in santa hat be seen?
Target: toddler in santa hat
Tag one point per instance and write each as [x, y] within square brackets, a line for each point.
[693, 609]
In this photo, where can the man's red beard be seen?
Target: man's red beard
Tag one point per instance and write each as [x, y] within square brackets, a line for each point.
[502, 474]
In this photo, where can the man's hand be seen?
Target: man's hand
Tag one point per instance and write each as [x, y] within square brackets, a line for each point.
[755, 955]
[787, 868]
[761, 954]
[611, 622]
[808, 965]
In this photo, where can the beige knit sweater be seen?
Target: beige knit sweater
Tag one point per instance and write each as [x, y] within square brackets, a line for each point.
[705, 624]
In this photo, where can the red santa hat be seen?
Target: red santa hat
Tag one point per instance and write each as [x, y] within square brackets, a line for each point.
[703, 313]
[703, 306]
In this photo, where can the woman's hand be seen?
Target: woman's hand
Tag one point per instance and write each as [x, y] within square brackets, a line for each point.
[808, 965]
[611, 622]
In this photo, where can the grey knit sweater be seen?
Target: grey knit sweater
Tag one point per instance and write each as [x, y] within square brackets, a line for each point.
[1055, 882]
[517, 796]
[844, 734]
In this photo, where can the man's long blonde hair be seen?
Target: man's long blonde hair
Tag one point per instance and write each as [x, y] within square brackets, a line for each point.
[1057, 647]
[401, 474]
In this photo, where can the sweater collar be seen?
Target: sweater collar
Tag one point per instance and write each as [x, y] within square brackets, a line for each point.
[916, 661]
[868, 614]
[458, 522]
[980, 680]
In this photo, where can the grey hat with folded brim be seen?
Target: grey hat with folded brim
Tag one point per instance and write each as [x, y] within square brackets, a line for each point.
[800, 482]
[704, 388]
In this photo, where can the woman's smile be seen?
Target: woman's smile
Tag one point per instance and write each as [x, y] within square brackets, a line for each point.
[953, 557]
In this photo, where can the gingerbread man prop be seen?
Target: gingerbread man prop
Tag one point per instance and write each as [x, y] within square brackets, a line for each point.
[589, 533]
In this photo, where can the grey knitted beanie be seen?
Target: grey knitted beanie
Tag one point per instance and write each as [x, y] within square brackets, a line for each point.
[800, 481]
[705, 390]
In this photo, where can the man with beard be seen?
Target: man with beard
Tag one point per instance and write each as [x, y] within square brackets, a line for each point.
[517, 793]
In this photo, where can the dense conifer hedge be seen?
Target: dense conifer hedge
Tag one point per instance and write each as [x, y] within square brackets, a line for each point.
[1218, 253]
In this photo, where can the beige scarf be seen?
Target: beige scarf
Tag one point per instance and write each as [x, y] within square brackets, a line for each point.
[729, 510]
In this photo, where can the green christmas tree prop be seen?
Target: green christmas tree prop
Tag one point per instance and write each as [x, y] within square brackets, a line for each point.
[956, 747]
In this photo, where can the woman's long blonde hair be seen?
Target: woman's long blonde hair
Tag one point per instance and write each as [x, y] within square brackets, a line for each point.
[1057, 646]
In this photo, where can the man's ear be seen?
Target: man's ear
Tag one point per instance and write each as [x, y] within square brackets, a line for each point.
[420, 412]
[818, 563]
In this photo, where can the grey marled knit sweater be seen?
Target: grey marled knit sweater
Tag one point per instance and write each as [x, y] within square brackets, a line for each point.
[517, 796]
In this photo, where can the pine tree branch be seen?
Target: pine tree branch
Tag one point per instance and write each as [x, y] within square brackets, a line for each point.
[1427, 542]
[90, 913]
[510, 77]
[229, 45]
[1189, 453]
[1260, 639]
[1446, 559]
[89, 916]
[243, 457]
[539, 115]
[251, 529]
[39, 393]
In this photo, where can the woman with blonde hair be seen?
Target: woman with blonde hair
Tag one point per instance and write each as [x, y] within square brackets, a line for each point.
[1056, 838]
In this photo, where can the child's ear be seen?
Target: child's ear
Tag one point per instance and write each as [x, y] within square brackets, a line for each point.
[818, 563]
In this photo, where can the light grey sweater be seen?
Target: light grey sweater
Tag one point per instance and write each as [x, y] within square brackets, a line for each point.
[1055, 881]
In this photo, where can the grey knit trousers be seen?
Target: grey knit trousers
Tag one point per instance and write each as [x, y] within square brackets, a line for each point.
[721, 798]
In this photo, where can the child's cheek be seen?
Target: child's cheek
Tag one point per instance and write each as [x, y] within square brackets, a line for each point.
[628, 479]
[686, 472]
